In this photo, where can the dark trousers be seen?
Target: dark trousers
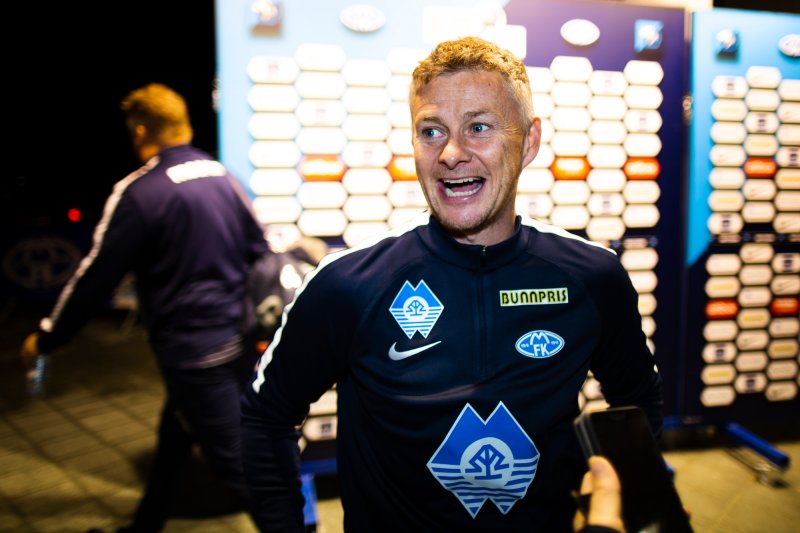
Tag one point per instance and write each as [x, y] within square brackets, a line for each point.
[203, 407]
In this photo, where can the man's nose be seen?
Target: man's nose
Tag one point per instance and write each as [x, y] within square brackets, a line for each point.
[454, 152]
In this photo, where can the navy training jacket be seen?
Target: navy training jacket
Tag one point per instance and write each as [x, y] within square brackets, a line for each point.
[182, 224]
[458, 369]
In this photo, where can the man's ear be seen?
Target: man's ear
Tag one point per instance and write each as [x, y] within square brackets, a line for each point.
[532, 140]
[139, 134]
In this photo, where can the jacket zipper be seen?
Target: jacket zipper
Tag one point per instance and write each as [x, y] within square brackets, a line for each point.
[483, 362]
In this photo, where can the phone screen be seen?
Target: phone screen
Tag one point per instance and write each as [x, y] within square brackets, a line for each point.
[650, 502]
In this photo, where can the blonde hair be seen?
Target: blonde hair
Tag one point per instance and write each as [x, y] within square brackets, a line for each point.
[161, 111]
[474, 53]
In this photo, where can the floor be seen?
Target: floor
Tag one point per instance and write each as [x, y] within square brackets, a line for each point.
[75, 457]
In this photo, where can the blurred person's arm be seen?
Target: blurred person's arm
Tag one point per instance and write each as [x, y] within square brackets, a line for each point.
[304, 360]
[116, 242]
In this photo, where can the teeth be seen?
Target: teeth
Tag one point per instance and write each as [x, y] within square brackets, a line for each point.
[450, 193]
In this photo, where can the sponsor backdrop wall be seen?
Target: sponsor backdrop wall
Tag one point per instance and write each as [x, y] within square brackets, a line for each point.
[313, 102]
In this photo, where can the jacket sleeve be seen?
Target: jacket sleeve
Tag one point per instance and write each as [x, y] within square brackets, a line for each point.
[303, 361]
[622, 362]
[117, 240]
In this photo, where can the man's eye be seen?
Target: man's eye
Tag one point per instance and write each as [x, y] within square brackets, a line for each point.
[479, 128]
[430, 133]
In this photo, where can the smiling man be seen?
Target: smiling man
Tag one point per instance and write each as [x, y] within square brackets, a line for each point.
[458, 344]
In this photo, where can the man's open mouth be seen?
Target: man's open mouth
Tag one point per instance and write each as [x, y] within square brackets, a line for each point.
[454, 188]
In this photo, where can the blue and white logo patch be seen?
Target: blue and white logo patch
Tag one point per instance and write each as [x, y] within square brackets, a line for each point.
[492, 460]
[539, 344]
[416, 309]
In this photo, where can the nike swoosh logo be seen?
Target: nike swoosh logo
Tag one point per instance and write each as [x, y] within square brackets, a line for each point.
[394, 355]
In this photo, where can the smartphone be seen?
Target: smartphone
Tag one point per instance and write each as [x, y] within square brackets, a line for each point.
[650, 502]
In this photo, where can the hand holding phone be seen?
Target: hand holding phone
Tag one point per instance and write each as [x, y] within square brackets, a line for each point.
[650, 503]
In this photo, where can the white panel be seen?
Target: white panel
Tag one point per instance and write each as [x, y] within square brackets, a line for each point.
[367, 208]
[719, 223]
[720, 330]
[606, 204]
[786, 263]
[608, 83]
[276, 209]
[754, 297]
[272, 69]
[644, 72]
[323, 85]
[641, 216]
[642, 145]
[788, 201]
[643, 97]
[728, 133]
[366, 127]
[329, 141]
[357, 232]
[571, 68]
[755, 275]
[570, 192]
[722, 287]
[535, 180]
[534, 205]
[719, 352]
[761, 122]
[272, 97]
[542, 105]
[726, 178]
[570, 217]
[789, 90]
[366, 100]
[787, 223]
[718, 374]
[571, 118]
[320, 194]
[401, 215]
[781, 391]
[367, 180]
[366, 154]
[605, 228]
[320, 113]
[275, 181]
[398, 88]
[759, 189]
[789, 113]
[789, 134]
[785, 285]
[758, 212]
[642, 192]
[606, 180]
[726, 109]
[273, 126]
[569, 93]
[274, 154]
[611, 156]
[322, 222]
[763, 77]
[725, 201]
[608, 107]
[729, 87]
[399, 115]
[762, 100]
[643, 121]
[541, 79]
[756, 253]
[607, 131]
[399, 141]
[639, 259]
[752, 340]
[761, 145]
[407, 194]
[753, 318]
[723, 264]
[724, 155]
[569, 143]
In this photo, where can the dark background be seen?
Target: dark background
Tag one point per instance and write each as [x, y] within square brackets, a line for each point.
[67, 67]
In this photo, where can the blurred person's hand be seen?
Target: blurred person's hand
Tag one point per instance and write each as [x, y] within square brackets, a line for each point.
[29, 349]
[605, 504]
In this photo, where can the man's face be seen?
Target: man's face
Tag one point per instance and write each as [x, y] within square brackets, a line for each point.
[470, 144]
